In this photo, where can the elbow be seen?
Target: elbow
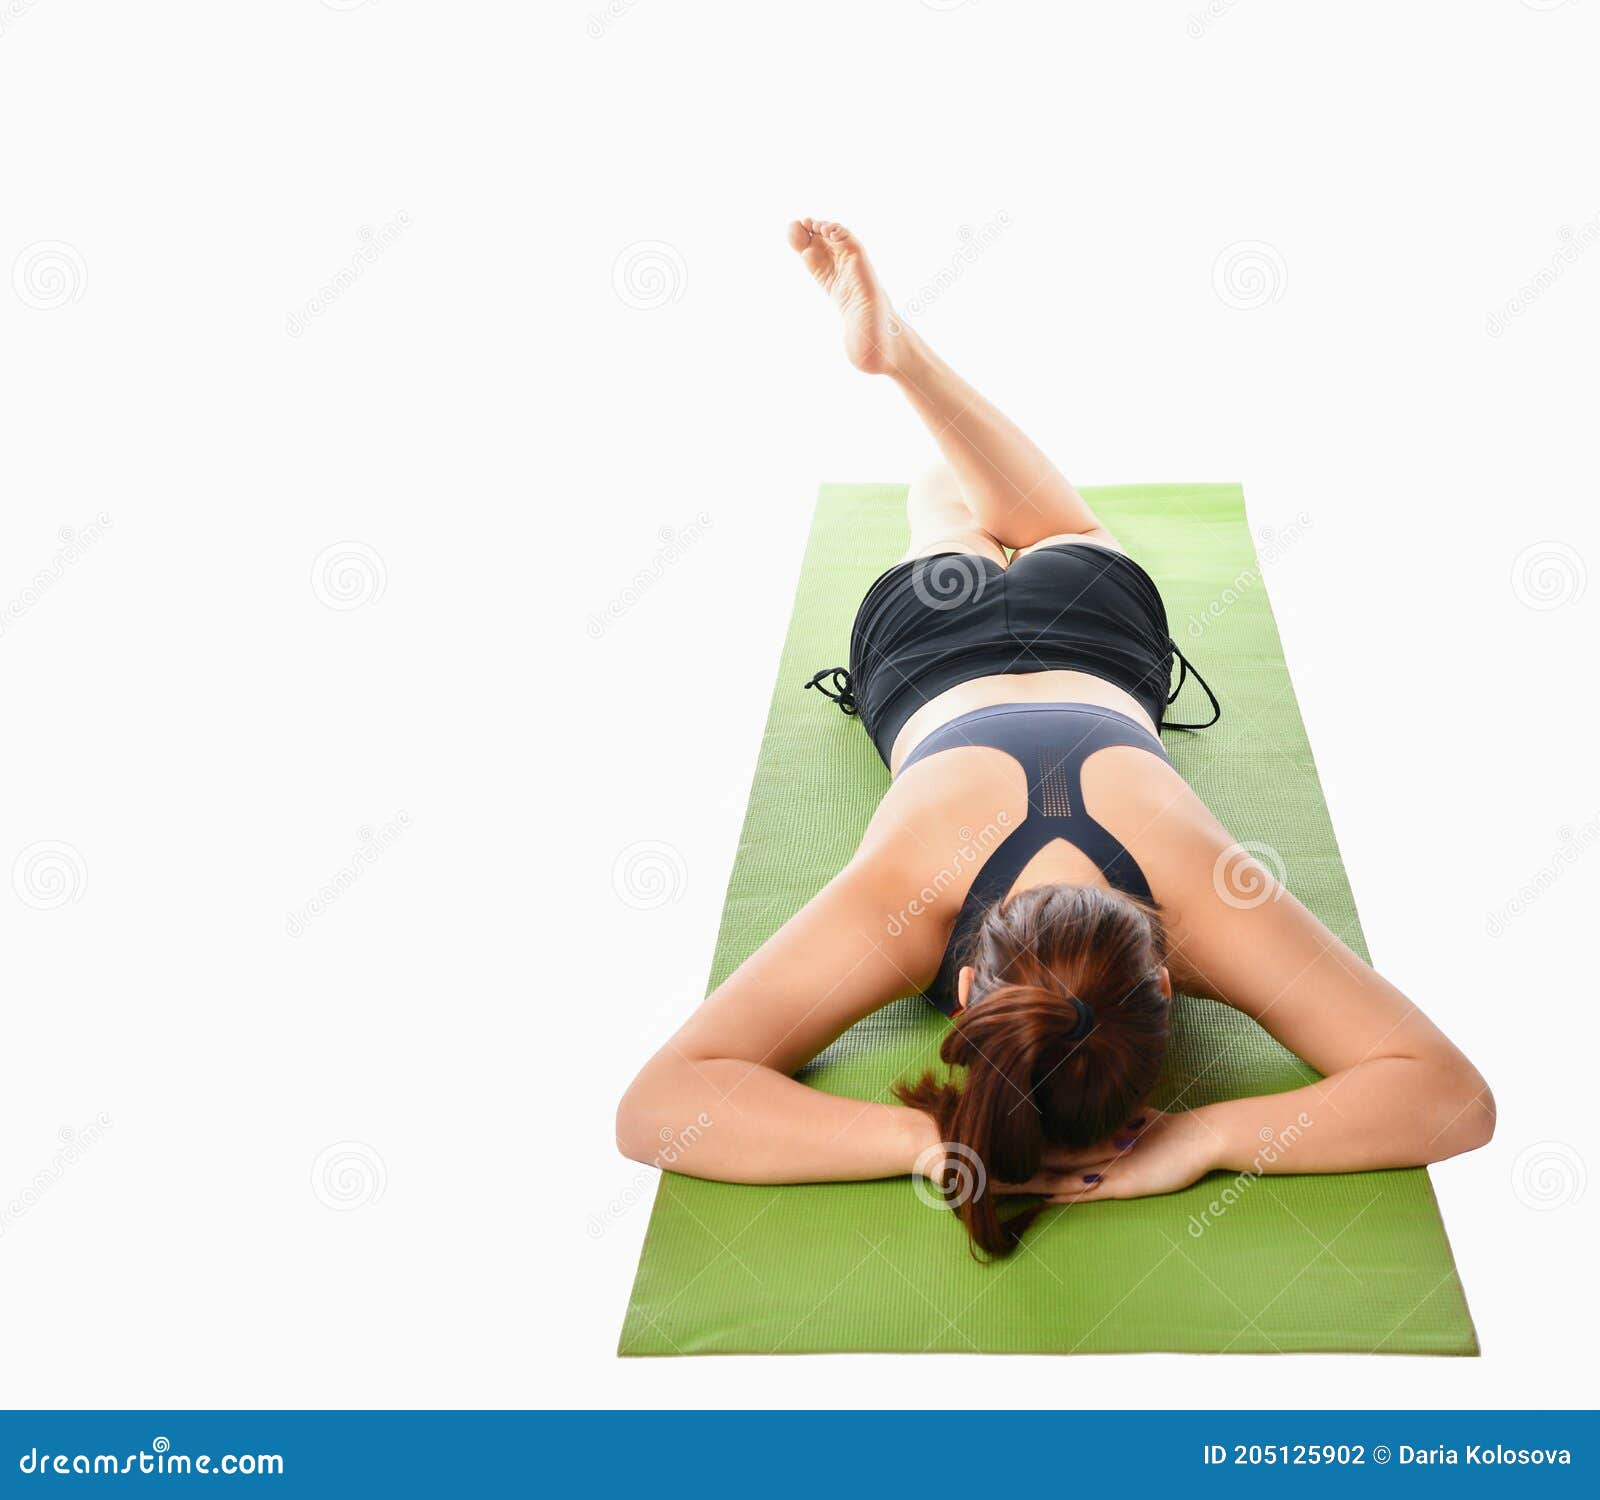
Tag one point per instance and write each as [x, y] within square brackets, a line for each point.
[650, 1129]
[659, 1119]
[637, 1125]
[1468, 1112]
[1481, 1117]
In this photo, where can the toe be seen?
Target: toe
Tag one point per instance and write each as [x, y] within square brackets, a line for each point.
[843, 244]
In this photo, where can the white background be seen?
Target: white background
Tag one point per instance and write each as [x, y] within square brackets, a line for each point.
[496, 412]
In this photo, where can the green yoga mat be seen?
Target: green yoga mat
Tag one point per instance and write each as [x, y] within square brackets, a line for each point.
[1335, 1263]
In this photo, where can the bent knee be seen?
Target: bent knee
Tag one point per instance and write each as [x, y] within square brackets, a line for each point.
[975, 543]
[936, 485]
[1098, 535]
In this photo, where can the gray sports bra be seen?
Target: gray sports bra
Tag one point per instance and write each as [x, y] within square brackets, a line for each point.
[1050, 741]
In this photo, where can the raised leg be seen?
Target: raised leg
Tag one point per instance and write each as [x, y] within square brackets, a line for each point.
[1014, 494]
[941, 520]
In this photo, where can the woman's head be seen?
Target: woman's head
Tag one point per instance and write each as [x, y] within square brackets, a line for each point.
[1062, 1034]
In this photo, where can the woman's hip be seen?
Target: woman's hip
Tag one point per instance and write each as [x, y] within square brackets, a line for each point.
[932, 624]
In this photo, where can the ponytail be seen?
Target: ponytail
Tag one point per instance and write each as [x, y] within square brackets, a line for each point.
[1062, 1038]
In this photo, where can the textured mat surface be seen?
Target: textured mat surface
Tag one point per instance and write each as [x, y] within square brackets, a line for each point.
[1347, 1263]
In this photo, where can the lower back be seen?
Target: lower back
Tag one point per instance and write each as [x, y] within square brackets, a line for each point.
[1013, 687]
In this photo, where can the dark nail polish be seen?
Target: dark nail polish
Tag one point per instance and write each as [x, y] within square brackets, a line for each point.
[1091, 1177]
[1137, 1124]
[1123, 1145]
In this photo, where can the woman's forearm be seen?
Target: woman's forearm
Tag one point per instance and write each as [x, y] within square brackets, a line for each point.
[736, 1121]
[1386, 1112]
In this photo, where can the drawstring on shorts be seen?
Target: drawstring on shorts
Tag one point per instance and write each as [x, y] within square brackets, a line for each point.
[1185, 671]
[837, 689]
[835, 685]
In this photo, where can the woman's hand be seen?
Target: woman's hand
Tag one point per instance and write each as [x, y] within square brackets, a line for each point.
[1156, 1153]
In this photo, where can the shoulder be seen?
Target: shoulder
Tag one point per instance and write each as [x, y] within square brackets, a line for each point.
[933, 832]
[1128, 784]
[1166, 826]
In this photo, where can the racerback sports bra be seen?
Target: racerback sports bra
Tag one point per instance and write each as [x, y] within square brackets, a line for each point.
[1050, 741]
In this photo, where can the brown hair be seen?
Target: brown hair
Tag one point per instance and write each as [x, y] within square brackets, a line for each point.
[1040, 1069]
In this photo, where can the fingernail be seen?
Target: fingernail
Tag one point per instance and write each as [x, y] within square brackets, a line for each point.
[1091, 1177]
[1123, 1145]
[1136, 1124]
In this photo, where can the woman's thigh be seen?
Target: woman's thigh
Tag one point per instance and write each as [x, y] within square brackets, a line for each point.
[972, 543]
[940, 520]
[1099, 537]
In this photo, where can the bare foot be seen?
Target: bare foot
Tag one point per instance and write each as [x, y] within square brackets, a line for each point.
[834, 256]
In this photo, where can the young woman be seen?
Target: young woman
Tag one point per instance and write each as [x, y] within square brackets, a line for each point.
[1023, 694]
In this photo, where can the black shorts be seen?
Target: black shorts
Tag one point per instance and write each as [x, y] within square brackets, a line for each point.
[932, 623]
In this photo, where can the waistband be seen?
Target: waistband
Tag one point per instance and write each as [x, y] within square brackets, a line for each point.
[952, 727]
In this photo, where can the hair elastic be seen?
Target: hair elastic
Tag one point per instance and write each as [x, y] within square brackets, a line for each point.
[1085, 1019]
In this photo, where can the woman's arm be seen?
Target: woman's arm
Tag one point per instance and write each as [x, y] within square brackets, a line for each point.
[740, 1122]
[1395, 1092]
[717, 1101]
